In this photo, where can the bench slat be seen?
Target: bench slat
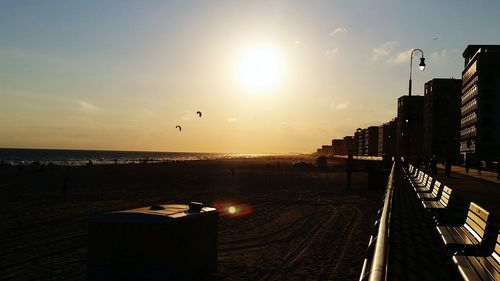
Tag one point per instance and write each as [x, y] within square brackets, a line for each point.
[450, 235]
[465, 268]
[422, 181]
[437, 187]
[477, 220]
[419, 178]
[427, 187]
[433, 205]
[445, 196]
[479, 211]
[426, 196]
[479, 268]
[445, 234]
[474, 226]
[497, 248]
[490, 265]
[463, 237]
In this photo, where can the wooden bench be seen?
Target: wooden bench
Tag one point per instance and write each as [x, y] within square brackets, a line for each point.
[411, 171]
[420, 181]
[426, 185]
[433, 195]
[440, 204]
[469, 236]
[479, 267]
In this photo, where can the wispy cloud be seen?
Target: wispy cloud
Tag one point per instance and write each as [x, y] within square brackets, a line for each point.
[330, 53]
[439, 55]
[231, 119]
[339, 106]
[401, 57]
[384, 50]
[86, 106]
[338, 30]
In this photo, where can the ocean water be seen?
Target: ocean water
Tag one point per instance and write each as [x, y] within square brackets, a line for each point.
[14, 156]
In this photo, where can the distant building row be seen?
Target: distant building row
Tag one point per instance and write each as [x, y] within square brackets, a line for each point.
[456, 119]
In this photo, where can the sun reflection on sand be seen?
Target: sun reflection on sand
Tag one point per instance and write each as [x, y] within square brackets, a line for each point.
[233, 209]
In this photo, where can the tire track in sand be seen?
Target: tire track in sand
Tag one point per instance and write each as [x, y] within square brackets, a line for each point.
[312, 235]
[340, 250]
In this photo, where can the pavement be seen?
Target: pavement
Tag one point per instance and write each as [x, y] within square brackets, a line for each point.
[485, 175]
[483, 189]
[415, 251]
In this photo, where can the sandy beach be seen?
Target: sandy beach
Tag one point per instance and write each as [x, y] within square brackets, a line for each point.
[301, 224]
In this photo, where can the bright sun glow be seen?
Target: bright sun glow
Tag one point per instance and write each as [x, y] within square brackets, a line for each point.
[260, 68]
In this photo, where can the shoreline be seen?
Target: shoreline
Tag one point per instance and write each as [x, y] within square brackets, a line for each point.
[62, 157]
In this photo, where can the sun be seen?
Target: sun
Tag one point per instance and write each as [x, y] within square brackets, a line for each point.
[231, 210]
[260, 68]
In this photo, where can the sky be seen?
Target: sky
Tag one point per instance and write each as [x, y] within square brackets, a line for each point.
[120, 75]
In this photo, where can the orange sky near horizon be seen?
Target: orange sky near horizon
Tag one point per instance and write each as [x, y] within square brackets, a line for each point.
[269, 77]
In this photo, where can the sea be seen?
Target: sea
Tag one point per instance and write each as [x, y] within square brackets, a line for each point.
[21, 156]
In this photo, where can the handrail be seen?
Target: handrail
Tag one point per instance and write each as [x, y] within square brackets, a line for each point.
[378, 262]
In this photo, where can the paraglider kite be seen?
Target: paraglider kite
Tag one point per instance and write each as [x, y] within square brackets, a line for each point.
[199, 113]
[179, 127]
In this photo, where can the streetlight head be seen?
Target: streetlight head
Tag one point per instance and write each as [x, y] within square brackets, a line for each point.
[422, 63]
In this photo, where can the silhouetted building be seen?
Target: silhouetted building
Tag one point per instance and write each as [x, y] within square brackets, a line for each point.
[348, 144]
[480, 103]
[415, 127]
[327, 150]
[338, 147]
[441, 126]
[358, 143]
[371, 141]
[361, 142]
[387, 139]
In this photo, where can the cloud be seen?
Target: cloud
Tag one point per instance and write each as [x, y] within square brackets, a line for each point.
[86, 106]
[339, 106]
[338, 30]
[439, 55]
[384, 50]
[401, 57]
[332, 52]
[231, 119]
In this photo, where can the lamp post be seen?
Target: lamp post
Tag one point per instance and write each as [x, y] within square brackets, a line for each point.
[422, 67]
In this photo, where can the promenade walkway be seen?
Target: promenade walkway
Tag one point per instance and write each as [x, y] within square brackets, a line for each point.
[415, 248]
[485, 175]
[415, 251]
[483, 189]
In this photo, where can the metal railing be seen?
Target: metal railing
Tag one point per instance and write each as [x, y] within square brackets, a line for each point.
[377, 254]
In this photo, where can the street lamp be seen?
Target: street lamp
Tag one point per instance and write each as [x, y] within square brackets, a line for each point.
[422, 67]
